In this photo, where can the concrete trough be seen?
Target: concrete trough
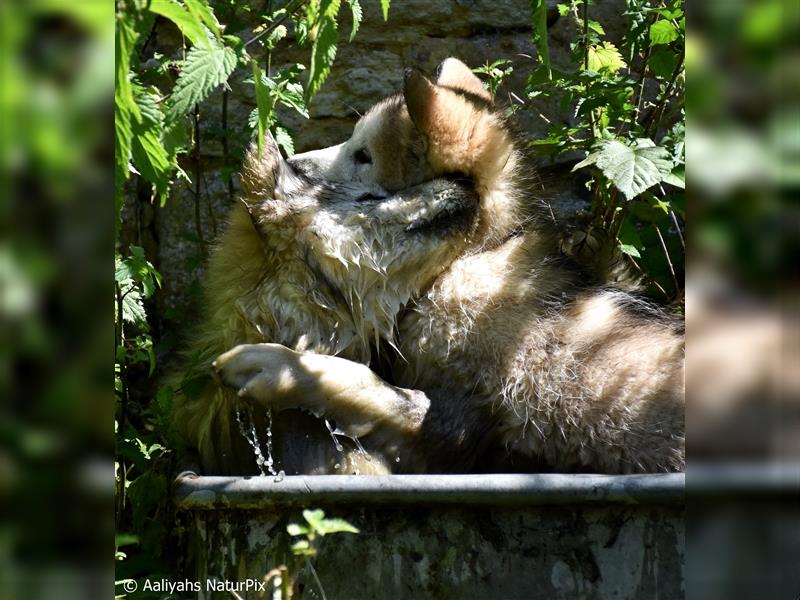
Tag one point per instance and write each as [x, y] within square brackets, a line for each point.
[503, 536]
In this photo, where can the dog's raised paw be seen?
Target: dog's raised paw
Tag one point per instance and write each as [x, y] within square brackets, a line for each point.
[267, 373]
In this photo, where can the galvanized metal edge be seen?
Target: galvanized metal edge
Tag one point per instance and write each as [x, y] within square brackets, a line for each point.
[193, 492]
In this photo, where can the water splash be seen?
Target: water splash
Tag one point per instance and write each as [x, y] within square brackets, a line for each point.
[279, 476]
[270, 459]
[334, 433]
[249, 433]
[360, 448]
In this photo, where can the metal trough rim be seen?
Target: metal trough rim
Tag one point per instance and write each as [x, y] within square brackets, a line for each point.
[194, 492]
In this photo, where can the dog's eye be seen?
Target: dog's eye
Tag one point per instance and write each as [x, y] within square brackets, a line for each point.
[362, 157]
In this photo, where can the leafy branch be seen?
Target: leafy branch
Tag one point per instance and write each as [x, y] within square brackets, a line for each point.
[632, 142]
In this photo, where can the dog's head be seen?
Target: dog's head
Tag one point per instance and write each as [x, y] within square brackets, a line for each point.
[433, 128]
[447, 125]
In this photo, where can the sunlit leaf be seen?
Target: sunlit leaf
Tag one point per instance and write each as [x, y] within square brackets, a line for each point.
[125, 110]
[358, 15]
[327, 526]
[189, 24]
[596, 27]
[204, 69]
[539, 18]
[629, 249]
[676, 178]
[323, 51]
[148, 153]
[203, 13]
[662, 32]
[303, 548]
[284, 140]
[295, 529]
[385, 8]
[631, 168]
[264, 105]
[314, 517]
[605, 58]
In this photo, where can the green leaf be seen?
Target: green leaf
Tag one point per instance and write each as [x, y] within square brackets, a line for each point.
[628, 239]
[676, 178]
[203, 70]
[147, 151]
[314, 517]
[385, 8]
[264, 104]
[605, 58]
[631, 168]
[303, 548]
[203, 13]
[628, 249]
[596, 27]
[358, 15]
[323, 53]
[151, 159]
[123, 134]
[662, 32]
[147, 101]
[132, 307]
[295, 529]
[327, 526]
[189, 24]
[125, 110]
[662, 62]
[284, 140]
[539, 18]
[177, 138]
[275, 36]
[563, 10]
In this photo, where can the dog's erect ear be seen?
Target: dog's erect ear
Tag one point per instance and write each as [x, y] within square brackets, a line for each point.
[263, 171]
[463, 136]
[421, 99]
[455, 74]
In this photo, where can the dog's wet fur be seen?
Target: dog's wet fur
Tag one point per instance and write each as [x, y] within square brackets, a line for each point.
[408, 287]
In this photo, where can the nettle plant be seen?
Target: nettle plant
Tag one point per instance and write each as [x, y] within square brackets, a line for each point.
[628, 119]
[157, 133]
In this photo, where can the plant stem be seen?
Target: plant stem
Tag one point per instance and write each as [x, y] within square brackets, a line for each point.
[225, 155]
[586, 63]
[669, 261]
[678, 229]
[585, 35]
[287, 586]
[639, 93]
[197, 172]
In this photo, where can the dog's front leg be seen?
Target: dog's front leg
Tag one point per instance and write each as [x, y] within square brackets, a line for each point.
[349, 393]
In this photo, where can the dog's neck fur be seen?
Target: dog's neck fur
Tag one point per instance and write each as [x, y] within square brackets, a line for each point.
[291, 298]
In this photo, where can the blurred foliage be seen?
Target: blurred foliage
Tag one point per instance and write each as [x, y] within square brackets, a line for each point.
[744, 146]
[55, 87]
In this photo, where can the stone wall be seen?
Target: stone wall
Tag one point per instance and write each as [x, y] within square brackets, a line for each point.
[418, 33]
